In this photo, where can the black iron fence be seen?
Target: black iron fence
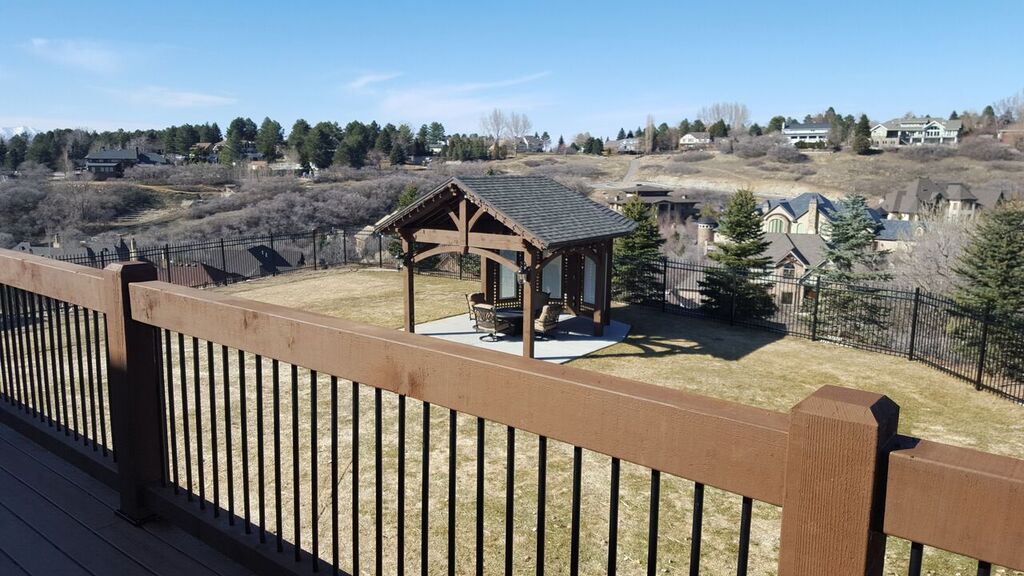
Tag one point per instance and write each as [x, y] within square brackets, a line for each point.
[977, 345]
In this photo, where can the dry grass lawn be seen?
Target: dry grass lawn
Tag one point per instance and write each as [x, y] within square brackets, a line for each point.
[747, 366]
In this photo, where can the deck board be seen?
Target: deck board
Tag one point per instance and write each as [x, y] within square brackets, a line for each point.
[55, 519]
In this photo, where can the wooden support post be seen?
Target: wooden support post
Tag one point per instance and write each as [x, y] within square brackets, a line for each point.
[835, 480]
[529, 289]
[608, 284]
[409, 273]
[485, 279]
[133, 372]
[599, 292]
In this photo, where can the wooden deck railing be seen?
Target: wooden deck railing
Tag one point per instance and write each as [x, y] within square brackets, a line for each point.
[243, 422]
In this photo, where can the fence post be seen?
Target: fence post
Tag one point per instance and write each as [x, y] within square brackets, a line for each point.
[103, 259]
[223, 262]
[814, 312]
[461, 258]
[664, 282]
[985, 321]
[913, 322]
[380, 250]
[314, 249]
[344, 246]
[136, 412]
[836, 465]
[273, 269]
[167, 262]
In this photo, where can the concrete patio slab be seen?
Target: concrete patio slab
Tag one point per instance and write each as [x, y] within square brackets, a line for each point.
[572, 340]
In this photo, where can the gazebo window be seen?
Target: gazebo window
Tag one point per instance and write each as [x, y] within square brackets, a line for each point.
[552, 279]
[589, 281]
[507, 278]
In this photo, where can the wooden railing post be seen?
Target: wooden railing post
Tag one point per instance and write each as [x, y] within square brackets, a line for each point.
[835, 481]
[135, 409]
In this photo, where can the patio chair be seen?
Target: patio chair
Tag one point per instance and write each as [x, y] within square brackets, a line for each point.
[547, 322]
[488, 321]
[471, 301]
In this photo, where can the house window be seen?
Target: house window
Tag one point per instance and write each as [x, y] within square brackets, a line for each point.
[775, 225]
[789, 271]
[787, 298]
[507, 278]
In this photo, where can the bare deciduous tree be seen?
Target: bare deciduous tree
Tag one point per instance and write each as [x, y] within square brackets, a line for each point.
[519, 125]
[928, 256]
[493, 124]
[1010, 108]
[734, 114]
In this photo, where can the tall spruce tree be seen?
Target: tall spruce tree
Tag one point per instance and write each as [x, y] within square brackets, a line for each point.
[268, 137]
[636, 258]
[850, 306]
[621, 135]
[862, 136]
[737, 288]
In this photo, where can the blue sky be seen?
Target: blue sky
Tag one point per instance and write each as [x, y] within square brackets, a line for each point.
[571, 67]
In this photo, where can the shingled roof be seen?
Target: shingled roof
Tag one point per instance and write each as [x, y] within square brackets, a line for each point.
[542, 210]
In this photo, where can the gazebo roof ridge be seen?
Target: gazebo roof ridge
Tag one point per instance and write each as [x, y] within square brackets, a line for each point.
[544, 212]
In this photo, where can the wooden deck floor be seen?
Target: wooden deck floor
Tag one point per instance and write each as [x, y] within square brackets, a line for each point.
[56, 520]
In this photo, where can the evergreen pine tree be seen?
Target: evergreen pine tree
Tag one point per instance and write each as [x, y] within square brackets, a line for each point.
[268, 137]
[850, 307]
[3, 151]
[397, 155]
[637, 268]
[698, 126]
[862, 136]
[953, 115]
[736, 288]
[621, 135]
[297, 141]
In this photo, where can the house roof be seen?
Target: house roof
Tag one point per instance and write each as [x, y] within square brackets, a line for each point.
[547, 213]
[698, 135]
[797, 206]
[921, 193]
[897, 230]
[113, 155]
[898, 123]
[810, 249]
[796, 126]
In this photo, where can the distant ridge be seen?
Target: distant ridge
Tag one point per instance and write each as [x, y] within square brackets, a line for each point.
[8, 133]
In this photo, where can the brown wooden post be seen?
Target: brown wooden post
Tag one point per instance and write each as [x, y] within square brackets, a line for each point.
[608, 284]
[530, 256]
[408, 270]
[599, 292]
[485, 279]
[133, 375]
[835, 481]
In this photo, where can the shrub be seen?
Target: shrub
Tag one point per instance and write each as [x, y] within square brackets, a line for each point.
[679, 169]
[695, 156]
[187, 175]
[986, 150]
[786, 154]
[927, 153]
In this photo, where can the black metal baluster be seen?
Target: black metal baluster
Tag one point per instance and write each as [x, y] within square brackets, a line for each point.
[336, 564]
[574, 542]
[696, 528]
[196, 381]
[71, 369]
[62, 380]
[378, 483]
[425, 492]
[5, 368]
[276, 401]
[92, 382]
[211, 373]
[182, 372]
[916, 555]
[542, 496]
[313, 455]
[984, 568]
[244, 417]
[479, 496]
[296, 493]
[23, 364]
[400, 535]
[44, 370]
[745, 513]
[510, 495]
[228, 452]
[613, 519]
[452, 466]
[652, 534]
[31, 352]
[171, 418]
[83, 380]
[261, 496]
[100, 353]
[355, 477]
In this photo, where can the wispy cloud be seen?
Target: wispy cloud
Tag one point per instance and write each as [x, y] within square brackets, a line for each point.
[168, 98]
[460, 105]
[78, 54]
[366, 80]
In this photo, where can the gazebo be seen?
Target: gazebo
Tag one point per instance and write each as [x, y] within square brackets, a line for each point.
[532, 235]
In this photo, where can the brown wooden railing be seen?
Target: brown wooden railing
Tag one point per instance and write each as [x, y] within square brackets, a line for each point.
[254, 426]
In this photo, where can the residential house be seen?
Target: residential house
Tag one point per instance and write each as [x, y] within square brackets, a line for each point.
[530, 144]
[897, 235]
[810, 132]
[105, 163]
[804, 214]
[624, 146]
[1012, 135]
[923, 197]
[916, 132]
[695, 140]
[665, 201]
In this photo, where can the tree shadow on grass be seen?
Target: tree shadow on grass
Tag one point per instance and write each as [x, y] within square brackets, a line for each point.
[657, 334]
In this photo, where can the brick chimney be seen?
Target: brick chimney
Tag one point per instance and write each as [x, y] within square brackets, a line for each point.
[812, 213]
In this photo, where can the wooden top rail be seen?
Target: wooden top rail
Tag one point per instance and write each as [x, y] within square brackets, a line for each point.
[958, 499]
[723, 444]
[71, 283]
